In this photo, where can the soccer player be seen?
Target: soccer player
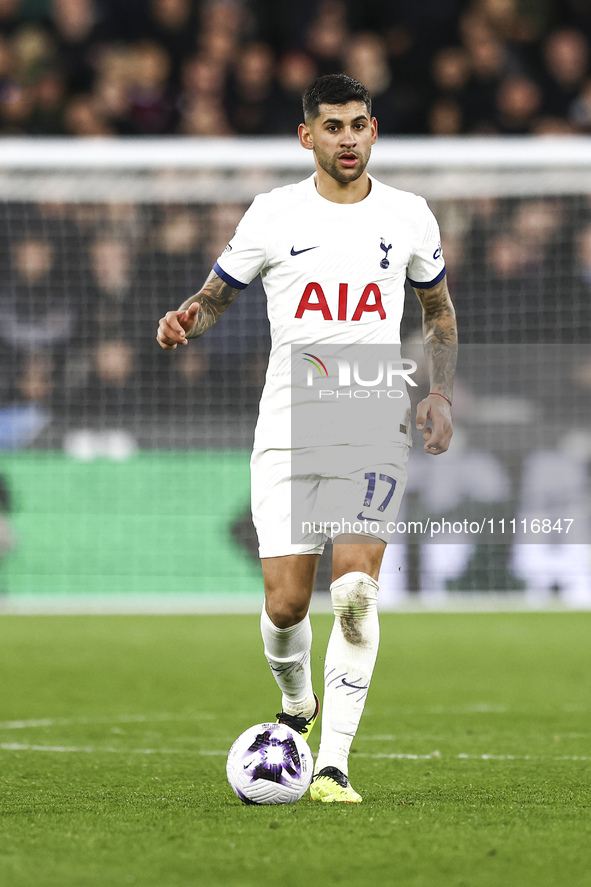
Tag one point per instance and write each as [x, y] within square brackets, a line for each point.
[333, 252]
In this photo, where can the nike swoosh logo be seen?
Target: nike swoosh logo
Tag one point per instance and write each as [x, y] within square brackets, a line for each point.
[362, 516]
[354, 686]
[297, 252]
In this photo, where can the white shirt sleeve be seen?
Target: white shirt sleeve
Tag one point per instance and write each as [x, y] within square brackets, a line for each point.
[246, 254]
[427, 265]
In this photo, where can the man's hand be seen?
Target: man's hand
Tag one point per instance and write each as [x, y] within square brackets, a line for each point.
[175, 325]
[436, 411]
[194, 318]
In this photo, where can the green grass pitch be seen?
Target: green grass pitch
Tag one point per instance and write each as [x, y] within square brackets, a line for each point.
[474, 756]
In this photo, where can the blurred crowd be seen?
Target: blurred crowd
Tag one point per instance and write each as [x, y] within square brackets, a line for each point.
[239, 67]
[82, 287]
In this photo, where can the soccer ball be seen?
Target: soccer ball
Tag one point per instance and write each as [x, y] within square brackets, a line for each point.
[270, 764]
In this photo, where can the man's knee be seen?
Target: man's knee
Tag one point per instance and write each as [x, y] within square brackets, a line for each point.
[354, 594]
[289, 583]
[284, 611]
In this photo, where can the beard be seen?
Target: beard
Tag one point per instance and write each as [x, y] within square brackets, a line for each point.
[331, 166]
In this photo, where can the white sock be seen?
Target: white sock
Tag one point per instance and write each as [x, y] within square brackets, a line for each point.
[288, 654]
[350, 659]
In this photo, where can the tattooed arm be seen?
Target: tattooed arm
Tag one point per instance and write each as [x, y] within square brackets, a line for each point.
[197, 314]
[440, 336]
[441, 348]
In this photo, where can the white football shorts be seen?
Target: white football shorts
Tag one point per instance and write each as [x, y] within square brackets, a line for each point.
[303, 497]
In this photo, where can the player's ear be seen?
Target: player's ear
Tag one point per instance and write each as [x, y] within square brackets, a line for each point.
[306, 140]
[374, 130]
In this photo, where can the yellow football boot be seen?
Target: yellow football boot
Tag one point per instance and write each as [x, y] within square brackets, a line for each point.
[332, 786]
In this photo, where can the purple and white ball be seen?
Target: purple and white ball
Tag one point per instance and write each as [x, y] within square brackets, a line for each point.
[270, 764]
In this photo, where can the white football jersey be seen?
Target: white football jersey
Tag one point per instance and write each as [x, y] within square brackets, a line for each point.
[333, 273]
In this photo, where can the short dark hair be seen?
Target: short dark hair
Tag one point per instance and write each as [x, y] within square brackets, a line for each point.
[333, 89]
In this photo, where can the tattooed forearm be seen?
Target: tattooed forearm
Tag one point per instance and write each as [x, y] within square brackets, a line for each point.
[214, 297]
[440, 335]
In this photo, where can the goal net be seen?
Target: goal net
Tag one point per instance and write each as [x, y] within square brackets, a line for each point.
[124, 470]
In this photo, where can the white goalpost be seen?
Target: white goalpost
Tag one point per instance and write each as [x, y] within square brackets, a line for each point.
[226, 169]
